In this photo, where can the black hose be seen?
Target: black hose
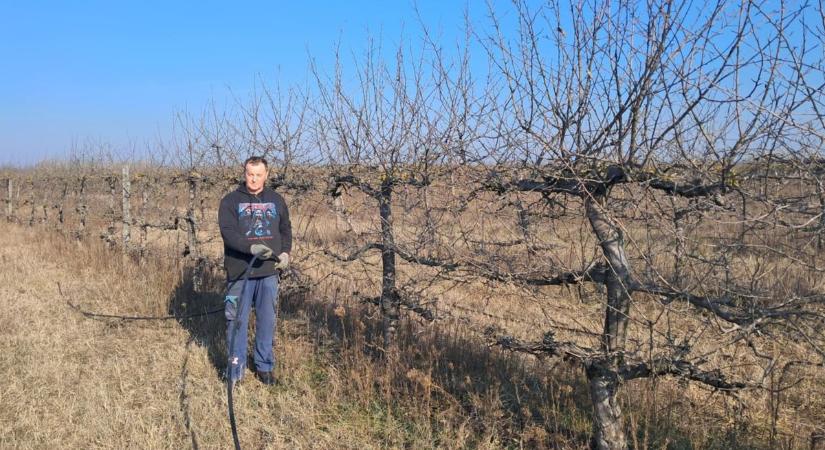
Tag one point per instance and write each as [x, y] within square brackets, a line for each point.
[92, 315]
[229, 383]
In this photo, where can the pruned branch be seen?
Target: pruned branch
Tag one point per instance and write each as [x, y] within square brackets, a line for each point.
[547, 347]
[410, 300]
[589, 182]
[595, 272]
[356, 254]
[338, 182]
[682, 369]
[729, 309]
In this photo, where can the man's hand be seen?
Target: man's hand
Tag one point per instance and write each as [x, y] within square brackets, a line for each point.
[283, 261]
[261, 251]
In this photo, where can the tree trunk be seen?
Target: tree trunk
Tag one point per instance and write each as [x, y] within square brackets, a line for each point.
[608, 428]
[10, 201]
[341, 218]
[109, 237]
[32, 204]
[679, 217]
[81, 208]
[523, 223]
[144, 202]
[611, 240]
[126, 195]
[389, 296]
[193, 251]
[820, 243]
[61, 206]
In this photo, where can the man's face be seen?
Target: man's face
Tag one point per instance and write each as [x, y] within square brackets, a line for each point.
[255, 177]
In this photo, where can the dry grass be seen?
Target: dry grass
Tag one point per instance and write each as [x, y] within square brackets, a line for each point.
[75, 382]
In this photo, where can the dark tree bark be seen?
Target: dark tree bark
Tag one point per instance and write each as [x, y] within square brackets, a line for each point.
[389, 296]
[81, 208]
[126, 193]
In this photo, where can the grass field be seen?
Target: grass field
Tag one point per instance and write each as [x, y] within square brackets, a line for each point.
[73, 381]
[77, 382]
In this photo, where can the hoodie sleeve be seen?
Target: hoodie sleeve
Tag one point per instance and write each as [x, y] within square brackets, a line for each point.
[230, 232]
[285, 228]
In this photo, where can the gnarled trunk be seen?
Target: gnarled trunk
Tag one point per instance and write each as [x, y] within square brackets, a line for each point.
[602, 376]
[389, 296]
[608, 429]
[126, 207]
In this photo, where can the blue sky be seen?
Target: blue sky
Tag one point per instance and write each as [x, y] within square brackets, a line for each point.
[116, 72]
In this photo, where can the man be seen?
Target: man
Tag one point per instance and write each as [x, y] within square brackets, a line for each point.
[243, 238]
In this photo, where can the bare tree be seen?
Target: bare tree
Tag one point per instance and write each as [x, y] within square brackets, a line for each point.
[274, 125]
[381, 133]
[659, 116]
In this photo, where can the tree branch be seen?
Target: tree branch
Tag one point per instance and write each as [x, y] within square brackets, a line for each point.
[680, 368]
[548, 346]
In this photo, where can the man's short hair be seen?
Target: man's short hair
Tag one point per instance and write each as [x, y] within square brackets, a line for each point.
[255, 160]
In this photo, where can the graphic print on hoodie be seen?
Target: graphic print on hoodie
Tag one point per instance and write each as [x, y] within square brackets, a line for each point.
[256, 219]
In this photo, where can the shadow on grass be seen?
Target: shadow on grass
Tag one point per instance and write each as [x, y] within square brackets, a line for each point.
[200, 312]
[521, 402]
